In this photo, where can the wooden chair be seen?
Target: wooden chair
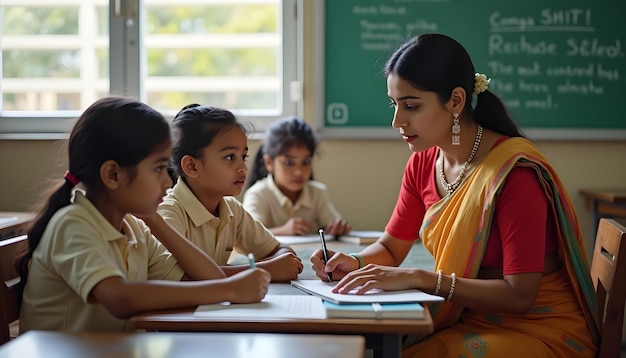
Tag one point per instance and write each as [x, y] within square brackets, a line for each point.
[9, 291]
[608, 273]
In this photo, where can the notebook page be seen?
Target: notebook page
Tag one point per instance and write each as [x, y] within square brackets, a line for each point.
[323, 290]
[272, 306]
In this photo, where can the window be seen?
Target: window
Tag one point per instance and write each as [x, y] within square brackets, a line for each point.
[58, 57]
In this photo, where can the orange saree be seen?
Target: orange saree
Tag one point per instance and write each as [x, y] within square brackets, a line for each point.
[561, 323]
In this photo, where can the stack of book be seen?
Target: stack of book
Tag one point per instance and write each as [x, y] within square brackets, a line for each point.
[402, 310]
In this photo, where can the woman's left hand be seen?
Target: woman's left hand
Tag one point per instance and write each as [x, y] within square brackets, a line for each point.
[372, 276]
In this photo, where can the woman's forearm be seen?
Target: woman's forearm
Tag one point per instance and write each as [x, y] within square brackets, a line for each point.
[388, 251]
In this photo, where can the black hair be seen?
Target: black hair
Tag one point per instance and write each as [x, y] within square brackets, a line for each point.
[195, 127]
[112, 128]
[279, 137]
[437, 63]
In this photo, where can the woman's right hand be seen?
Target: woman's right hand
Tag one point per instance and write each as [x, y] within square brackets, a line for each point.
[339, 264]
[249, 286]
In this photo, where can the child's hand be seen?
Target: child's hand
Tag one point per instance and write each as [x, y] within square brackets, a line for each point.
[338, 227]
[339, 264]
[295, 226]
[249, 286]
[284, 267]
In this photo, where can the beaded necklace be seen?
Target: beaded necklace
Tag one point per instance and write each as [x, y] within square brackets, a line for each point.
[451, 187]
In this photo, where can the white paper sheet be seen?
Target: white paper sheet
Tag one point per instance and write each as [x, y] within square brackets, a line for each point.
[302, 239]
[323, 290]
[272, 306]
[7, 220]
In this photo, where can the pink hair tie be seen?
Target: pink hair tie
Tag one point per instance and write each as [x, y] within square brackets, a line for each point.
[71, 178]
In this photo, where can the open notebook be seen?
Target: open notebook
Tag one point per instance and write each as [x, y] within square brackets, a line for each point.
[323, 290]
[271, 307]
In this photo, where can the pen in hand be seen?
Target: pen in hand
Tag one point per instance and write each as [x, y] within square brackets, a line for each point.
[325, 253]
[251, 260]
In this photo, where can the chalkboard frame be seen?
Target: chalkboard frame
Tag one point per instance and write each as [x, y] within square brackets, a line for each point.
[364, 132]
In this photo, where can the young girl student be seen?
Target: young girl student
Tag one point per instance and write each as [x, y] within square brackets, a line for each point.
[92, 262]
[282, 194]
[209, 159]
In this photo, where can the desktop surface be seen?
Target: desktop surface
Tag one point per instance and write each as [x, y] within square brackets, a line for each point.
[383, 336]
[40, 344]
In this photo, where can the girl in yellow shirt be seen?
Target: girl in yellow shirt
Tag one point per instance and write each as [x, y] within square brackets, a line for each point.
[209, 159]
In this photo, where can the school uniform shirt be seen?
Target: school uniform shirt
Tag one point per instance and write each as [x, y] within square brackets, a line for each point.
[267, 203]
[233, 229]
[80, 248]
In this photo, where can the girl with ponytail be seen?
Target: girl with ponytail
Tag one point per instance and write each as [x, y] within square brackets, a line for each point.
[101, 254]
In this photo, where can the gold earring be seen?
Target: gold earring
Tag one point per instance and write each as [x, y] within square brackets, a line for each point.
[456, 130]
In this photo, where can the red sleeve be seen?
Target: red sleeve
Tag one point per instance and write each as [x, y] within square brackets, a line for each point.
[416, 194]
[517, 239]
[521, 220]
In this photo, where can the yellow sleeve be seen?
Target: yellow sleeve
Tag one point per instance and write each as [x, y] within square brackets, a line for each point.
[252, 235]
[80, 255]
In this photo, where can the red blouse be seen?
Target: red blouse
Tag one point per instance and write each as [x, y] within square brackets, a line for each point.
[521, 232]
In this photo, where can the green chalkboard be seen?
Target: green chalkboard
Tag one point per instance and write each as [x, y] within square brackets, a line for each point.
[558, 65]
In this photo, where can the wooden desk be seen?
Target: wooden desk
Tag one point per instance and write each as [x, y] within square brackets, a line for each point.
[382, 336]
[605, 203]
[14, 223]
[40, 344]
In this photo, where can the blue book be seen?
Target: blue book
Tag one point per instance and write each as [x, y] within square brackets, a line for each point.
[405, 310]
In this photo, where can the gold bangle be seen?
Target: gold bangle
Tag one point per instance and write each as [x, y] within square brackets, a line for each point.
[451, 287]
[438, 285]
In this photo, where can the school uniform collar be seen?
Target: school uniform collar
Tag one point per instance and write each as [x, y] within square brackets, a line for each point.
[102, 225]
[193, 207]
[305, 199]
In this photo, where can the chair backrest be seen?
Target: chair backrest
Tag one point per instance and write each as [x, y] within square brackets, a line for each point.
[608, 272]
[10, 249]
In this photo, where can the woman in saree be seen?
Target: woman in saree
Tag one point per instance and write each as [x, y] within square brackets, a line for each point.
[508, 252]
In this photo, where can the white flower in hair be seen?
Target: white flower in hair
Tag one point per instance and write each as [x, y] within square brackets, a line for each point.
[481, 83]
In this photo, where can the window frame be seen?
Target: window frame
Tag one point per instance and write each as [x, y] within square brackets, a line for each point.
[126, 53]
